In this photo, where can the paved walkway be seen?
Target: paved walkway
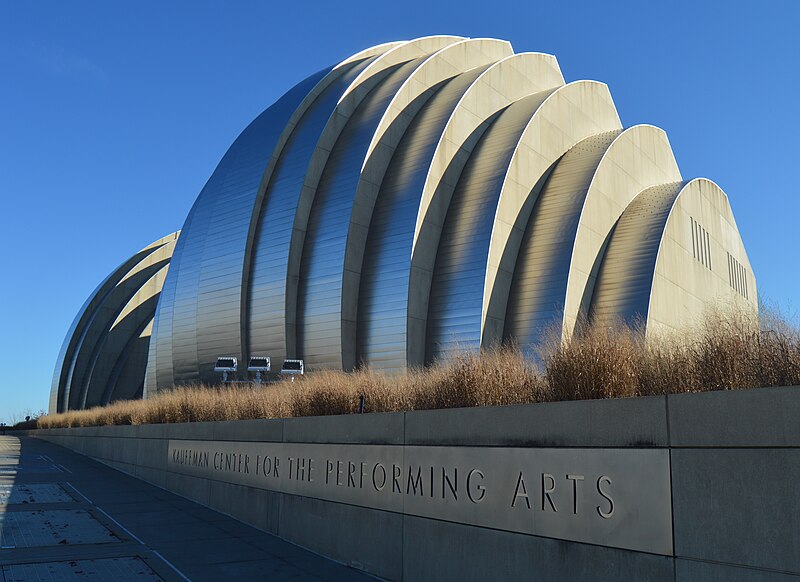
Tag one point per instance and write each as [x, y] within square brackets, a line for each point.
[64, 516]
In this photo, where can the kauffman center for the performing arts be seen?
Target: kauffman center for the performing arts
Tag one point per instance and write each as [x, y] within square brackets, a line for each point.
[416, 198]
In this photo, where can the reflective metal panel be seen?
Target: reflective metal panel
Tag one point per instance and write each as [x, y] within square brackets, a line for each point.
[622, 291]
[208, 268]
[456, 297]
[539, 286]
[383, 295]
[611, 497]
[266, 299]
[319, 314]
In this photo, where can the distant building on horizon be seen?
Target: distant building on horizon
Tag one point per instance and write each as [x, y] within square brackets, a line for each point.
[417, 198]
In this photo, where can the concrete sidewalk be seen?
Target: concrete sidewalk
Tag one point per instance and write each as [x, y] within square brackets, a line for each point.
[64, 516]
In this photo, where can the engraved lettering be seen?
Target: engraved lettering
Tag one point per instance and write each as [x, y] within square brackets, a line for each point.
[383, 477]
[453, 485]
[521, 491]
[328, 471]
[395, 479]
[351, 469]
[605, 514]
[412, 482]
[266, 465]
[547, 490]
[339, 472]
[478, 487]
[575, 479]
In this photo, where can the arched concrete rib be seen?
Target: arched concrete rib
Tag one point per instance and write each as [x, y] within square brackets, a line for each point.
[386, 266]
[126, 381]
[625, 277]
[444, 64]
[290, 192]
[722, 276]
[268, 252]
[414, 49]
[536, 298]
[372, 51]
[569, 115]
[127, 326]
[454, 309]
[111, 349]
[319, 294]
[278, 245]
[500, 85]
[58, 393]
[412, 96]
[96, 315]
[640, 157]
[108, 312]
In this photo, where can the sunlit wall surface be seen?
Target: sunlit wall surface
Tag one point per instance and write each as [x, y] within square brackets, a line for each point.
[418, 199]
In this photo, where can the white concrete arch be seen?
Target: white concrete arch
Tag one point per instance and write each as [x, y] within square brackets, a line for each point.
[700, 236]
[570, 114]
[442, 65]
[163, 251]
[352, 97]
[503, 83]
[372, 51]
[151, 288]
[640, 157]
[506, 81]
[413, 49]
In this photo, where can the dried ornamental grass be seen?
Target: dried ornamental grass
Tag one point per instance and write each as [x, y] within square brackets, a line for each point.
[727, 351]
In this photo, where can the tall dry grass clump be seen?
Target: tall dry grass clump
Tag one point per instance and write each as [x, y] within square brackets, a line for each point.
[737, 350]
[726, 351]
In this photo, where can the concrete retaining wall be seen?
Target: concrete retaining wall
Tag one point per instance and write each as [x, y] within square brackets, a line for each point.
[733, 461]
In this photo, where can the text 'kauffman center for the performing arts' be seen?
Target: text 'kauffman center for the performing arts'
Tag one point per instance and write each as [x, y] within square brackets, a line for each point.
[416, 198]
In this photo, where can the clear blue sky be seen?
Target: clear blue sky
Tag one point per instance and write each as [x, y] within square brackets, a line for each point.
[113, 115]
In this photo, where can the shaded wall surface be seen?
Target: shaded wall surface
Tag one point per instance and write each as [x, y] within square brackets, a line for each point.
[732, 462]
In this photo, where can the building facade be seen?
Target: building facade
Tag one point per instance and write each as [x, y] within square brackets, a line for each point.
[418, 198]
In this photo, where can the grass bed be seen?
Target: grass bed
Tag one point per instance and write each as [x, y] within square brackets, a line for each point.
[725, 352]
